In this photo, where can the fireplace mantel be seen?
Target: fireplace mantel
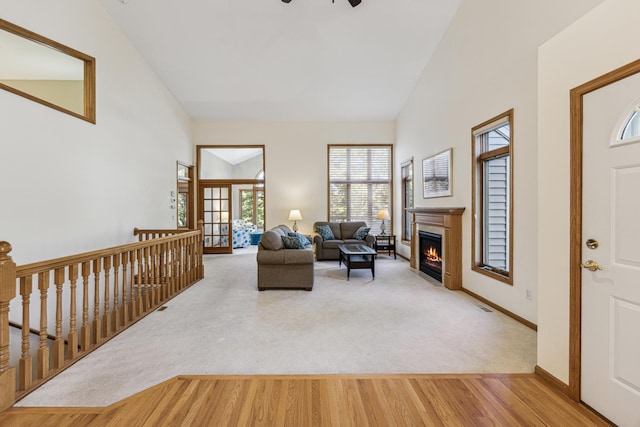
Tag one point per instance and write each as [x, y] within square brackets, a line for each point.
[450, 220]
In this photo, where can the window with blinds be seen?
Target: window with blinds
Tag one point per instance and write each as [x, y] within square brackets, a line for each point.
[493, 194]
[360, 180]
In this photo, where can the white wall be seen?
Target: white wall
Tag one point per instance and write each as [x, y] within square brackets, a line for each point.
[486, 64]
[295, 160]
[213, 167]
[603, 40]
[70, 186]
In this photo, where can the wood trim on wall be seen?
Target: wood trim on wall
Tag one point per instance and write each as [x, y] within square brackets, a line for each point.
[502, 310]
[575, 242]
[89, 72]
[552, 381]
[237, 181]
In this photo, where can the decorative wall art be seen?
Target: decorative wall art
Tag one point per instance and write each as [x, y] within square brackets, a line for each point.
[436, 175]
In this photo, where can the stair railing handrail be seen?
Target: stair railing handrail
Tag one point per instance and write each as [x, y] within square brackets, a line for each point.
[52, 264]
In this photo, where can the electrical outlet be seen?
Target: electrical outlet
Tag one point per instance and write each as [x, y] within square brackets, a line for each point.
[528, 294]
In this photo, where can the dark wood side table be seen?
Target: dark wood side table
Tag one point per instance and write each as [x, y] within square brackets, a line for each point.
[386, 243]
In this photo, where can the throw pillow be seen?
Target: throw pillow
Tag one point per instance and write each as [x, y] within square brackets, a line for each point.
[271, 240]
[292, 242]
[325, 232]
[361, 233]
[302, 238]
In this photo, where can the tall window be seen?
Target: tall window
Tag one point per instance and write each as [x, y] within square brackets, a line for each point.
[360, 180]
[493, 197]
[252, 206]
[252, 202]
[407, 198]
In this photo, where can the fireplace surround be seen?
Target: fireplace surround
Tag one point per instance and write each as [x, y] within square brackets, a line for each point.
[448, 223]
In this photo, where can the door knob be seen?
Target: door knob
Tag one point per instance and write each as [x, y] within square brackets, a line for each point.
[591, 265]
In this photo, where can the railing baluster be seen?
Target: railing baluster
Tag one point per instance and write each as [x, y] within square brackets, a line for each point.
[25, 368]
[115, 312]
[155, 262]
[132, 296]
[106, 313]
[58, 343]
[172, 268]
[97, 329]
[43, 349]
[183, 265]
[85, 332]
[192, 259]
[124, 318]
[165, 271]
[146, 283]
[72, 338]
[139, 297]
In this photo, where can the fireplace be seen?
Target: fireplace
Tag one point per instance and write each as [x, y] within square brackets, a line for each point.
[430, 254]
[447, 223]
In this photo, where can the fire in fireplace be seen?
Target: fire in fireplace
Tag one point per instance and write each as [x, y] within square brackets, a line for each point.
[430, 254]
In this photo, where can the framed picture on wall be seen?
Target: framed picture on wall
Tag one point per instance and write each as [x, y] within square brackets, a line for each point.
[436, 175]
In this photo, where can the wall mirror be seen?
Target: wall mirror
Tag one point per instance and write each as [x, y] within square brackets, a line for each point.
[47, 72]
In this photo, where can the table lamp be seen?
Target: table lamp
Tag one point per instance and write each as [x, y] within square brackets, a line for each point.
[383, 214]
[294, 215]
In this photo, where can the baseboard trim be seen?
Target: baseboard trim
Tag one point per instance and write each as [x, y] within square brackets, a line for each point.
[403, 257]
[553, 381]
[564, 389]
[502, 310]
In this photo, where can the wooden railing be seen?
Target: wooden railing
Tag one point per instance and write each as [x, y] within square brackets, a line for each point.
[94, 296]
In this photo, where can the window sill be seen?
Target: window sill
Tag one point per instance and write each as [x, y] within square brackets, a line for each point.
[505, 278]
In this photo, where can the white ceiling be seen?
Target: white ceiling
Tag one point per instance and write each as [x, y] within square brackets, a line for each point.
[308, 60]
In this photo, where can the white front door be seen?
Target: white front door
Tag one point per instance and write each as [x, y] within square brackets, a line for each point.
[610, 377]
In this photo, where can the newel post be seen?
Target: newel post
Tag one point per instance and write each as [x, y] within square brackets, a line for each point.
[7, 293]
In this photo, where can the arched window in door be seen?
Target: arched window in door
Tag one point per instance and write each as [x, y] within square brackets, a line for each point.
[630, 129]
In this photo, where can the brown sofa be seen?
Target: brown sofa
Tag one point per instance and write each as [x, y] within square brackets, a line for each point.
[281, 268]
[343, 233]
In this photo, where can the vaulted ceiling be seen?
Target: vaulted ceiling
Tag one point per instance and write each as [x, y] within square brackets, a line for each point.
[307, 60]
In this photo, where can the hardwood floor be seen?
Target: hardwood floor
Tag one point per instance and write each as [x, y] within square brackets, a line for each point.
[325, 400]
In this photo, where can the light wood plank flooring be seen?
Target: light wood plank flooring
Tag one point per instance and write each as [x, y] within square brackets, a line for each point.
[346, 400]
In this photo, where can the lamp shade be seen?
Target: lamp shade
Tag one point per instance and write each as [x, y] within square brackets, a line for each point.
[383, 214]
[294, 215]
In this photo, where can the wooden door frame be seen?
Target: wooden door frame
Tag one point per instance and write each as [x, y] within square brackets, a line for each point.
[575, 239]
[191, 198]
[264, 181]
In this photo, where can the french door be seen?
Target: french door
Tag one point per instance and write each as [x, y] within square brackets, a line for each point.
[215, 212]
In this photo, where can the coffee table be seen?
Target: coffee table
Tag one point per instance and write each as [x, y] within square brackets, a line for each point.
[357, 256]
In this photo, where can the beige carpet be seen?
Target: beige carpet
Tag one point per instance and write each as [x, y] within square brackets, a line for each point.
[397, 323]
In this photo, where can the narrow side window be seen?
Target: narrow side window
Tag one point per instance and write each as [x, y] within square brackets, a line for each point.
[492, 219]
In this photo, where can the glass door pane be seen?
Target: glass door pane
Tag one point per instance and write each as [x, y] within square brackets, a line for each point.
[214, 199]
